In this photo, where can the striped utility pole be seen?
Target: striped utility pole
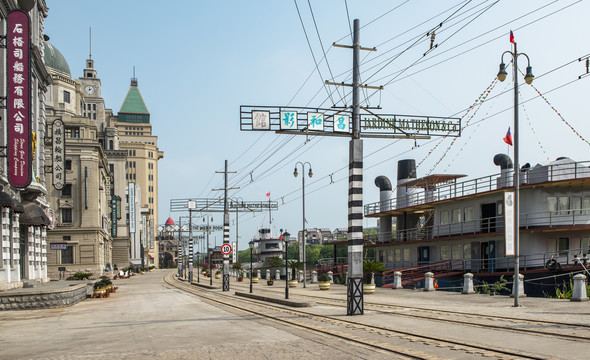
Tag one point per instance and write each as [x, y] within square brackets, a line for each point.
[225, 286]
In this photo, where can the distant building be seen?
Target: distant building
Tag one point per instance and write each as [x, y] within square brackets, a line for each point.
[268, 246]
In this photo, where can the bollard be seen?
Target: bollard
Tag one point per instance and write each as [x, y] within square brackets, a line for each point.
[397, 280]
[468, 284]
[331, 275]
[520, 286]
[278, 275]
[429, 281]
[258, 274]
[267, 274]
[301, 276]
[314, 277]
[579, 291]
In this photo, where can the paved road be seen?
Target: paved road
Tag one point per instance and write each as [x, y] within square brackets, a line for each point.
[147, 319]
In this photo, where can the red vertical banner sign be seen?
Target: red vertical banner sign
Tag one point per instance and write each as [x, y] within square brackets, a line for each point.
[19, 98]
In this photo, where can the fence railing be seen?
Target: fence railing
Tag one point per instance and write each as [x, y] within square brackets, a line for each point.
[545, 219]
[558, 172]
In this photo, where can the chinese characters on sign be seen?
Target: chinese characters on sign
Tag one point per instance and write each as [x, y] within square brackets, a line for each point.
[19, 99]
[315, 121]
[341, 123]
[114, 216]
[288, 120]
[131, 207]
[59, 153]
[261, 120]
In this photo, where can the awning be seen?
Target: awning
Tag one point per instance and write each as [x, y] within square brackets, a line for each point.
[6, 200]
[18, 207]
[33, 215]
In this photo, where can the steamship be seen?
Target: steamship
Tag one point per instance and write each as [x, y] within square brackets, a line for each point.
[450, 226]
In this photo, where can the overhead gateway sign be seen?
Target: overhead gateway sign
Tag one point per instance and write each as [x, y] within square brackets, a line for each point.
[334, 122]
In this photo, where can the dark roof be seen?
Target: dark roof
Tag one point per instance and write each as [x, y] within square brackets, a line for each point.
[54, 59]
[33, 215]
[133, 109]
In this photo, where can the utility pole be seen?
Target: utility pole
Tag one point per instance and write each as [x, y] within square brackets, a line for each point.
[225, 226]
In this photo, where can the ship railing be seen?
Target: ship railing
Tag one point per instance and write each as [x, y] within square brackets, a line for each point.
[545, 219]
[533, 261]
[549, 173]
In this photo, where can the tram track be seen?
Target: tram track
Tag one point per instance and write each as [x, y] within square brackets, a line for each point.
[510, 323]
[356, 332]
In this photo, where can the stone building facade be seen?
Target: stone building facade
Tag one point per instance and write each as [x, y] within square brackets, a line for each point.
[23, 219]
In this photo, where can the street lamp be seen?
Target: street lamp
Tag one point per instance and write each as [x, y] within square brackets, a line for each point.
[303, 238]
[285, 236]
[528, 79]
[251, 243]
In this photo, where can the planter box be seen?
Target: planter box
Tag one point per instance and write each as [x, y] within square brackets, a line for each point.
[324, 285]
[368, 288]
[293, 283]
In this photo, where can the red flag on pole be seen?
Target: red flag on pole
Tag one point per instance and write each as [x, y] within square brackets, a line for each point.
[508, 138]
[268, 194]
[511, 39]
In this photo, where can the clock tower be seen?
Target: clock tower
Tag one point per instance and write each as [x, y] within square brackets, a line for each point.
[93, 106]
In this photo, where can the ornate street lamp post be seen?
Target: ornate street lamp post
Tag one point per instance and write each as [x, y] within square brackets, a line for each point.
[303, 237]
[528, 79]
[285, 236]
[251, 243]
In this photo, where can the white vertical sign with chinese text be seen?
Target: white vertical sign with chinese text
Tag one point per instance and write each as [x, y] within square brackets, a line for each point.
[509, 223]
[132, 208]
[288, 120]
[342, 123]
[59, 154]
[261, 120]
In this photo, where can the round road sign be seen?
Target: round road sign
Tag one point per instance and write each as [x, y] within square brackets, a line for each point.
[226, 249]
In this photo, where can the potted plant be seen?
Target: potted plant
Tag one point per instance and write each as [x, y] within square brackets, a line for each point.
[295, 266]
[218, 274]
[98, 291]
[254, 277]
[370, 267]
[324, 281]
[270, 282]
[240, 276]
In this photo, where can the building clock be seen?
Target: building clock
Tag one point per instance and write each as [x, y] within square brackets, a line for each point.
[89, 89]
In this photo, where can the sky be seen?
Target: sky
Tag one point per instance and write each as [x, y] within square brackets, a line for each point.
[197, 62]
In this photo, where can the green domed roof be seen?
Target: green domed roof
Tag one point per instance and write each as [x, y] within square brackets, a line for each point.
[55, 60]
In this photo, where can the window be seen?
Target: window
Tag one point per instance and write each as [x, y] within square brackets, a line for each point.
[576, 205]
[444, 252]
[456, 251]
[552, 204]
[93, 106]
[66, 216]
[66, 96]
[67, 190]
[456, 216]
[444, 217]
[469, 213]
[398, 255]
[133, 176]
[467, 251]
[584, 245]
[564, 245]
[271, 246]
[67, 238]
[68, 164]
[67, 255]
[586, 205]
[564, 205]
[406, 254]
[134, 153]
[72, 132]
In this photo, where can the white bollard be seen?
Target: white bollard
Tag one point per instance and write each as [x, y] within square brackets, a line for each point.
[314, 277]
[579, 291]
[520, 286]
[331, 275]
[429, 282]
[258, 274]
[278, 275]
[397, 280]
[300, 275]
[468, 284]
[267, 274]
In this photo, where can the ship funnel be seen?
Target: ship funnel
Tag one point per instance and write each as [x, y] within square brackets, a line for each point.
[506, 178]
[406, 171]
[384, 185]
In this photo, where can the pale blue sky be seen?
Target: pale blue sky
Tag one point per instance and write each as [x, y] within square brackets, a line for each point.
[198, 61]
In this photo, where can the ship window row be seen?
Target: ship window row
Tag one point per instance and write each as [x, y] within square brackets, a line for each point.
[458, 215]
[568, 205]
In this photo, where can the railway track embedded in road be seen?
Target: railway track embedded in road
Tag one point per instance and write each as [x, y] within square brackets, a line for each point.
[382, 338]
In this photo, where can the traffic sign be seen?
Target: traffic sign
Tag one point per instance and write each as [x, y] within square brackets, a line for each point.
[226, 249]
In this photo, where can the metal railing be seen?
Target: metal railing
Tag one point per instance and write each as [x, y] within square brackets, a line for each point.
[414, 274]
[545, 219]
[558, 172]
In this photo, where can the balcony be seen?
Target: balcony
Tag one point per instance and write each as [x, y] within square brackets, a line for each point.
[538, 220]
[537, 175]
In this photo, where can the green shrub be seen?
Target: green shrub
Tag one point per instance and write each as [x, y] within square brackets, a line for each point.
[82, 275]
[323, 277]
